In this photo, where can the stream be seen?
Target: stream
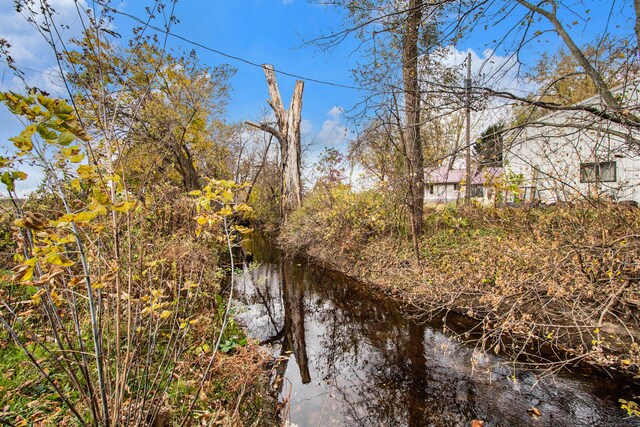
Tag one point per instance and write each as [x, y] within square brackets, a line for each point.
[355, 360]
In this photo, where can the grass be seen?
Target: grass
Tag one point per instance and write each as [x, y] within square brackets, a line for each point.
[25, 398]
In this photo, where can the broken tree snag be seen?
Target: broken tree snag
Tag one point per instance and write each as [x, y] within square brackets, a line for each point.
[292, 197]
[288, 135]
[274, 93]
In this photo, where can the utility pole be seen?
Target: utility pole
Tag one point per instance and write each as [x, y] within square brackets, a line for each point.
[467, 180]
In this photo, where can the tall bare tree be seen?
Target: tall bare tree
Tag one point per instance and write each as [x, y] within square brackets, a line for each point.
[287, 133]
[397, 37]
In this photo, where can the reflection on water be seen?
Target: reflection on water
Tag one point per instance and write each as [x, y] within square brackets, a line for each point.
[355, 360]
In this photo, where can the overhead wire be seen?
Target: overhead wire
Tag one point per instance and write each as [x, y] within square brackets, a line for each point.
[455, 88]
[228, 55]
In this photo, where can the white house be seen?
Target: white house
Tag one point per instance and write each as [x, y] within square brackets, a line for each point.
[444, 185]
[572, 154]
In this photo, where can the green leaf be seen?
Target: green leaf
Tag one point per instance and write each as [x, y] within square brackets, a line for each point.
[46, 133]
[61, 108]
[66, 138]
[8, 181]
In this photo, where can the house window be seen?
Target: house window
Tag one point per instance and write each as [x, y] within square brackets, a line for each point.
[456, 187]
[477, 190]
[530, 193]
[430, 188]
[601, 172]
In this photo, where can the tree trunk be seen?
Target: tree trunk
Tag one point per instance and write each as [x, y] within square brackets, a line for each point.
[291, 188]
[190, 177]
[636, 4]
[415, 160]
[288, 134]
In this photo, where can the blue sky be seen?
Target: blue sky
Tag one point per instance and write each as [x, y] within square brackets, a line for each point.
[274, 31]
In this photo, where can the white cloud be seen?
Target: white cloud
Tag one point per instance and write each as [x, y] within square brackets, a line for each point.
[306, 127]
[490, 69]
[32, 54]
[28, 46]
[333, 132]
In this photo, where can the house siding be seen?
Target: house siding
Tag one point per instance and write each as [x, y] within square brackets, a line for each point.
[549, 156]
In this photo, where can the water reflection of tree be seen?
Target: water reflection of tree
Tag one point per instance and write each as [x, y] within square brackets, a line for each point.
[294, 313]
[385, 370]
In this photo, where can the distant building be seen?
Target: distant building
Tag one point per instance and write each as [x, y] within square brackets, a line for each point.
[444, 185]
[571, 154]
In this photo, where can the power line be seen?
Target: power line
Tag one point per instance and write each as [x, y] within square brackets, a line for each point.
[228, 55]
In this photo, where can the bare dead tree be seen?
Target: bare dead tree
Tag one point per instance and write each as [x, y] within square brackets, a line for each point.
[287, 133]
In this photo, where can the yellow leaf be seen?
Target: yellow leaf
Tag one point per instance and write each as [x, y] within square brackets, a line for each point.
[22, 273]
[165, 314]
[35, 299]
[77, 159]
[98, 208]
[123, 206]
[75, 281]
[243, 230]
[226, 211]
[23, 141]
[100, 197]
[227, 196]
[57, 259]
[86, 171]
[70, 151]
[56, 298]
[243, 207]
[19, 175]
[84, 216]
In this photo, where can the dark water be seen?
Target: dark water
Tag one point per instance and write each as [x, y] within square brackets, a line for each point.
[356, 361]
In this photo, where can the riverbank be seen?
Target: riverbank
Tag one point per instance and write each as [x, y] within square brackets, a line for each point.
[348, 355]
[547, 286]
